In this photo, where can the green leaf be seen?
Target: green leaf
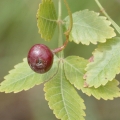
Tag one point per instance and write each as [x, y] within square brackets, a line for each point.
[23, 78]
[109, 91]
[88, 27]
[63, 99]
[46, 19]
[105, 65]
[74, 70]
[113, 23]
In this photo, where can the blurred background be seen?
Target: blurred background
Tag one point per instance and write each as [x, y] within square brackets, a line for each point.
[18, 32]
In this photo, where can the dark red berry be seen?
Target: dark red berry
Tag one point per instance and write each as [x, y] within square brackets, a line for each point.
[40, 58]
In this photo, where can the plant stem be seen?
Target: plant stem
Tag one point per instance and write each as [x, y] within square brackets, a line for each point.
[101, 8]
[59, 10]
[67, 33]
[71, 19]
[60, 38]
[103, 11]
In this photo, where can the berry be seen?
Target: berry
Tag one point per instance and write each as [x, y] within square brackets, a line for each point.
[40, 58]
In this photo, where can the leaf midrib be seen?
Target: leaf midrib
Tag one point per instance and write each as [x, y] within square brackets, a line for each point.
[102, 68]
[74, 67]
[23, 78]
[61, 82]
[48, 19]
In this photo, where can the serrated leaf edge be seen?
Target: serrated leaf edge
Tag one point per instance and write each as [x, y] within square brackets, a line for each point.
[24, 60]
[37, 15]
[105, 19]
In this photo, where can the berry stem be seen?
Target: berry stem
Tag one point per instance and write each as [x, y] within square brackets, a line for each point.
[67, 33]
[61, 48]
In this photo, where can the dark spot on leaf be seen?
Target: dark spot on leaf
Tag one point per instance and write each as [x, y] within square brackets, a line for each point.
[85, 76]
[91, 59]
[85, 85]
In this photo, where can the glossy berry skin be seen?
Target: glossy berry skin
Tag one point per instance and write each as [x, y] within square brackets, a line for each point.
[40, 58]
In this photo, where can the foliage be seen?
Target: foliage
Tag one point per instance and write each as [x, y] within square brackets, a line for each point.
[95, 76]
[74, 70]
[23, 78]
[46, 19]
[88, 27]
[63, 98]
[105, 65]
